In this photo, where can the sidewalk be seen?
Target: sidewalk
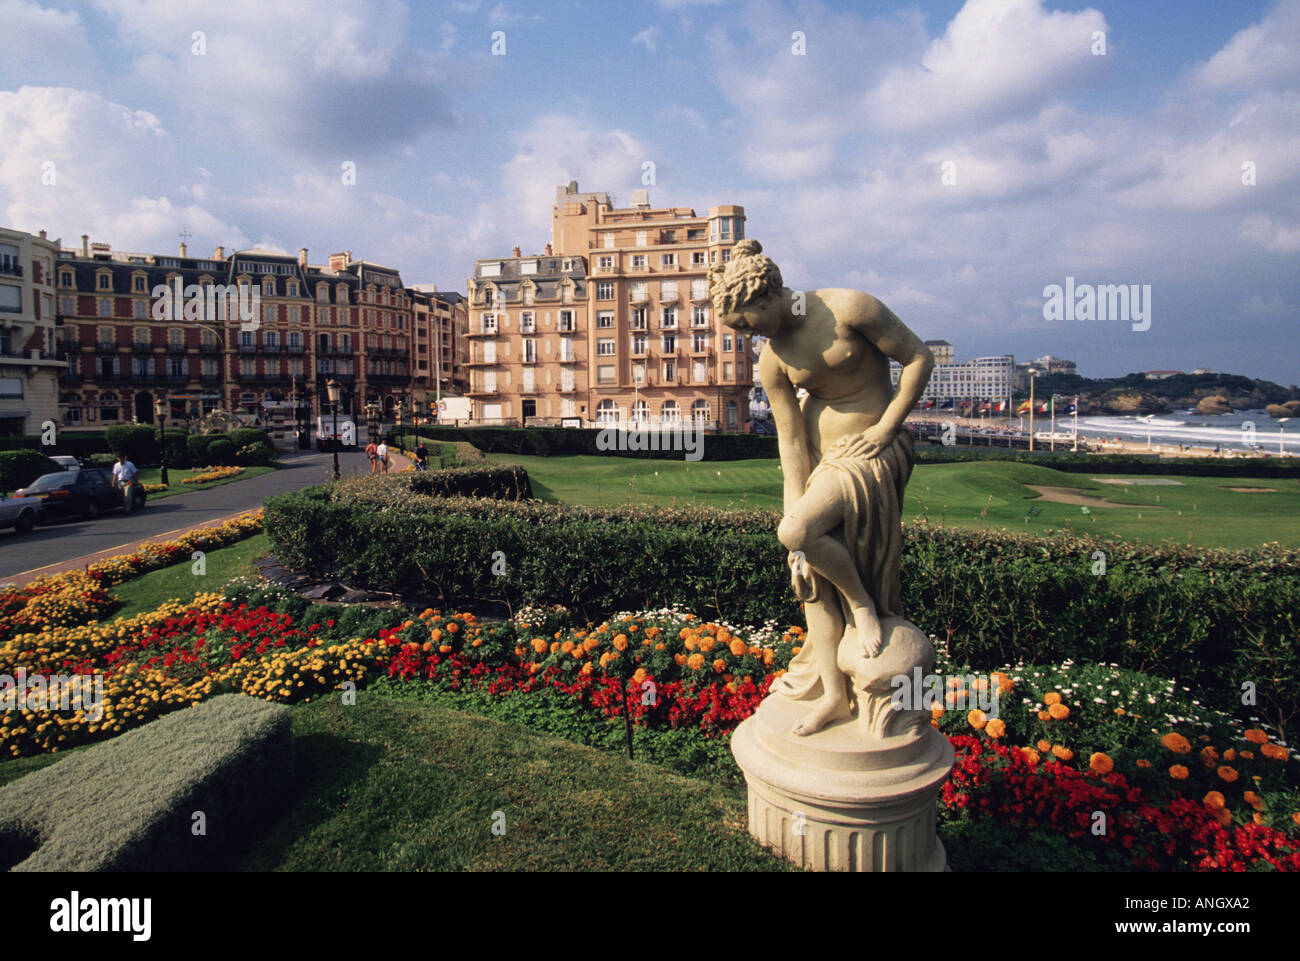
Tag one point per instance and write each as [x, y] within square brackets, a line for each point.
[81, 563]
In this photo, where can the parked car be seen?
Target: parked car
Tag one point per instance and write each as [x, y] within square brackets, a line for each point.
[86, 492]
[20, 513]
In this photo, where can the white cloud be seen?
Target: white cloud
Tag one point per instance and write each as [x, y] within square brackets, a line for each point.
[995, 58]
[1263, 230]
[1262, 53]
[648, 38]
[44, 46]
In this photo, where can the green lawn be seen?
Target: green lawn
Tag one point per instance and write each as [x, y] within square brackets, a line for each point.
[149, 591]
[389, 785]
[1201, 510]
[153, 475]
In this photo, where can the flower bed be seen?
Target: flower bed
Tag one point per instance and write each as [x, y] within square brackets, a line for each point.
[210, 474]
[1179, 786]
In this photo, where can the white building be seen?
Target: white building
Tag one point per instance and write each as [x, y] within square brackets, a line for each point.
[29, 364]
[981, 378]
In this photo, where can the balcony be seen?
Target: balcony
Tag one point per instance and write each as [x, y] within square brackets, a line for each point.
[566, 389]
[11, 268]
[569, 358]
[71, 380]
[483, 391]
[206, 348]
[210, 380]
[293, 348]
[175, 347]
[178, 378]
[141, 347]
[248, 348]
[64, 346]
[106, 347]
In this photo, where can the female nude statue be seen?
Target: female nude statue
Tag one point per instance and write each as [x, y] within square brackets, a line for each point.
[845, 458]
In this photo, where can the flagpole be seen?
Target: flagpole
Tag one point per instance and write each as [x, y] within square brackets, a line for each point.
[1053, 441]
[1076, 422]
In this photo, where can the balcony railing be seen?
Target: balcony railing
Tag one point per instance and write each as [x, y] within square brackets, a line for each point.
[71, 380]
[141, 347]
[209, 348]
[174, 347]
[106, 347]
[293, 348]
[11, 268]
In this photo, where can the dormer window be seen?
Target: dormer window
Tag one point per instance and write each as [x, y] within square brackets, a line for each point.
[268, 287]
[105, 282]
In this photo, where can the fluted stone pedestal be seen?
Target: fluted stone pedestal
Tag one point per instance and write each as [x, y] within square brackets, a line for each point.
[860, 794]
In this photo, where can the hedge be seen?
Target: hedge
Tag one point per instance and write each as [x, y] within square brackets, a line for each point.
[79, 444]
[18, 468]
[128, 804]
[1216, 618]
[551, 441]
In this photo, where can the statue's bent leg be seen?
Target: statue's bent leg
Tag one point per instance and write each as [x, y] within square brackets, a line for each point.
[807, 528]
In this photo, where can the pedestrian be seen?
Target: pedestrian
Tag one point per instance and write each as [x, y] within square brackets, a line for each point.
[372, 452]
[381, 452]
[421, 457]
[124, 477]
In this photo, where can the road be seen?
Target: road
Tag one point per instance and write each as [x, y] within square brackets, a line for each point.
[64, 540]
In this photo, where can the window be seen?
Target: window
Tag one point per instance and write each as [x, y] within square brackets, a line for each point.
[605, 347]
[527, 322]
[668, 317]
[105, 282]
[641, 238]
[137, 283]
[640, 291]
[699, 289]
[322, 293]
[529, 384]
[699, 371]
[670, 412]
[639, 261]
[268, 287]
[726, 255]
[727, 370]
[699, 343]
[726, 342]
[667, 260]
[530, 351]
[65, 278]
[489, 323]
[68, 305]
[700, 412]
[668, 290]
[669, 343]
[605, 318]
[605, 375]
[566, 349]
[731, 413]
[527, 267]
[490, 352]
[291, 288]
[605, 290]
[638, 343]
[566, 320]
[607, 240]
[490, 270]
[604, 263]
[640, 412]
[638, 373]
[740, 343]
[104, 307]
[176, 367]
[697, 258]
[699, 316]
[638, 321]
[271, 339]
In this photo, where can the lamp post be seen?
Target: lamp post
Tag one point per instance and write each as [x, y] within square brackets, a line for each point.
[1033, 373]
[398, 408]
[334, 390]
[1281, 436]
[160, 408]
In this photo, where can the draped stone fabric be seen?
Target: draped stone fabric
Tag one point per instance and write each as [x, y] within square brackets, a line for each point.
[871, 495]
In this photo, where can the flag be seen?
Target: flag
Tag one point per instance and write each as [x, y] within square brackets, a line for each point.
[985, 407]
[945, 404]
[926, 405]
[1072, 407]
[1001, 406]
[1023, 408]
[1044, 407]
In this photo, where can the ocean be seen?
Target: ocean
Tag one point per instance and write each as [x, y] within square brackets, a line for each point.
[1235, 431]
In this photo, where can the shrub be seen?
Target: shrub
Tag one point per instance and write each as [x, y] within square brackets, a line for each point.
[138, 442]
[128, 804]
[18, 468]
[221, 452]
[258, 453]
[243, 436]
[1213, 617]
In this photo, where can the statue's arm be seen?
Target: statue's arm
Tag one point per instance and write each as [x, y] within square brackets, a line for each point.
[878, 324]
[791, 436]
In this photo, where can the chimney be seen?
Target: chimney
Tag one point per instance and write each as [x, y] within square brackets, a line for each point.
[182, 250]
[85, 245]
[516, 253]
[548, 250]
[302, 256]
[219, 253]
[42, 233]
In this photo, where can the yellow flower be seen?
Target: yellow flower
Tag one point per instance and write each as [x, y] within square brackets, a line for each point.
[1059, 712]
[976, 719]
[1062, 752]
[1176, 742]
[1178, 772]
[1215, 801]
[1101, 763]
[1256, 736]
[1052, 698]
[1228, 774]
[995, 728]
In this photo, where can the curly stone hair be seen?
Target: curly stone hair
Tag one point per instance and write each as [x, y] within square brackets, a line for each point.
[746, 277]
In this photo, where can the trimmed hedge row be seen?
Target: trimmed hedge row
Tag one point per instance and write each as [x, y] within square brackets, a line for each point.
[128, 804]
[552, 441]
[18, 468]
[1076, 463]
[1216, 618]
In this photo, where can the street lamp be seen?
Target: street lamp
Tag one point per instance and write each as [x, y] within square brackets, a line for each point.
[335, 391]
[398, 410]
[1281, 437]
[160, 408]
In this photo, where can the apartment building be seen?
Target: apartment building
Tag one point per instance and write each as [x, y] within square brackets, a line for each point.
[349, 320]
[977, 379]
[29, 364]
[440, 324]
[645, 347]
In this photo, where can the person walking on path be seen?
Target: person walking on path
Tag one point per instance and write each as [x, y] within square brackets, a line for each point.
[373, 453]
[382, 453]
[124, 477]
[421, 457]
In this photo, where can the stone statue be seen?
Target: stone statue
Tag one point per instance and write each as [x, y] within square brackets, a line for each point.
[840, 777]
[845, 457]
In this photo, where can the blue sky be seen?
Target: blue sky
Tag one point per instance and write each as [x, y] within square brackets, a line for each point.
[1117, 168]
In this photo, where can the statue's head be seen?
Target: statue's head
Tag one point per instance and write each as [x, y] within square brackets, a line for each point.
[747, 290]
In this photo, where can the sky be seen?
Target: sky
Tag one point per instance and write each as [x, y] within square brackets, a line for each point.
[953, 158]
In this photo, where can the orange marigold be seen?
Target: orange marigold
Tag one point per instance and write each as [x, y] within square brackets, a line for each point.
[1044, 746]
[1030, 755]
[680, 659]
[695, 661]
[567, 646]
[1143, 762]
[1274, 752]
[1176, 742]
[1230, 755]
[1059, 712]
[1101, 763]
[977, 719]
[706, 644]
[453, 627]
[1178, 772]
[540, 645]
[1256, 736]
[937, 710]
[1295, 816]
[1227, 773]
[719, 665]
[1224, 817]
[1044, 716]
[1062, 752]
[1215, 801]
[739, 648]
[995, 728]
[586, 668]
[1051, 698]
[620, 642]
